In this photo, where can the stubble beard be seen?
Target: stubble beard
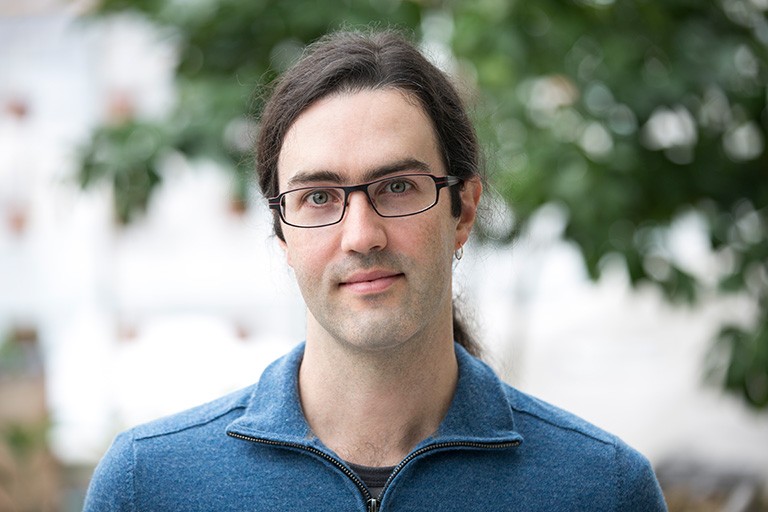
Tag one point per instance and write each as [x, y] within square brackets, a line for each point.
[382, 322]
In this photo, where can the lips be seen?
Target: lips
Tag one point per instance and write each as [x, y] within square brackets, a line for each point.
[374, 281]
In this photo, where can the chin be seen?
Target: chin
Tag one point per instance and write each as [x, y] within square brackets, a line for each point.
[381, 338]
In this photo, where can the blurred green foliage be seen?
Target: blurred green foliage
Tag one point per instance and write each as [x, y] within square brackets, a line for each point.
[227, 50]
[628, 114]
[25, 439]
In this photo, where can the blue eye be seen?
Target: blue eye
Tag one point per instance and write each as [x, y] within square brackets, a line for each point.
[318, 197]
[398, 187]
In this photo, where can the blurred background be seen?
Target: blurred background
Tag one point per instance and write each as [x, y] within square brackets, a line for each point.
[620, 269]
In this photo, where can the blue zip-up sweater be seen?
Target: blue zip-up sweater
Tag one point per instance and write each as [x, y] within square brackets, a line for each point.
[497, 449]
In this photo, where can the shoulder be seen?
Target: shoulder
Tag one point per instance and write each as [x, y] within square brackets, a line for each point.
[173, 438]
[558, 437]
[203, 415]
[542, 423]
[534, 413]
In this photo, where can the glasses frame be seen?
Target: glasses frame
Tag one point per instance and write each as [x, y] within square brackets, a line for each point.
[277, 202]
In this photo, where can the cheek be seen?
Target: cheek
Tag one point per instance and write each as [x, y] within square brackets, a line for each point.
[444, 233]
[432, 243]
[303, 252]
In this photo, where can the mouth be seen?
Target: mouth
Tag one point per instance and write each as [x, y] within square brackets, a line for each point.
[370, 281]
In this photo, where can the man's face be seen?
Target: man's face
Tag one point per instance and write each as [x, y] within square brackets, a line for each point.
[371, 282]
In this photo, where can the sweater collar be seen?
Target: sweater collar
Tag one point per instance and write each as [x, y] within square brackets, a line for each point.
[479, 411]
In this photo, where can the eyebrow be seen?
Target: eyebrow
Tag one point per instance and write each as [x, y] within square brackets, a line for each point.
[406, 164]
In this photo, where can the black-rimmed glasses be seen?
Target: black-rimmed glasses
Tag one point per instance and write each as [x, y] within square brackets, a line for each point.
[394, 196]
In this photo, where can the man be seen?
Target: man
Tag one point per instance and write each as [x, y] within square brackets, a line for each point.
[372, 170]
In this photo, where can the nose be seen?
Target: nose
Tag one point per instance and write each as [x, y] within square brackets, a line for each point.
[362, 228]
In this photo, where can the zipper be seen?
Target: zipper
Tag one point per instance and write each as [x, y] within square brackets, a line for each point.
[371, 502]
[373, 505]
[449, 444]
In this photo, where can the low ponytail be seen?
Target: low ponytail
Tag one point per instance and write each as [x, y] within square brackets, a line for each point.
[462, 335]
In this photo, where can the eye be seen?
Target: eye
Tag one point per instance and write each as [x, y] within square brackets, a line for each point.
[397, 186]
[318, 197]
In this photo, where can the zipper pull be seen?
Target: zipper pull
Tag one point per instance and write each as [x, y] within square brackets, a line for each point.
[373, 505]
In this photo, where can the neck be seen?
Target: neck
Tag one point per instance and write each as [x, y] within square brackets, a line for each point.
[373, 407]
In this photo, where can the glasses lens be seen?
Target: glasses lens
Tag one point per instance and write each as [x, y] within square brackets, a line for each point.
[313, 206]
[397, 196]
[403, 195]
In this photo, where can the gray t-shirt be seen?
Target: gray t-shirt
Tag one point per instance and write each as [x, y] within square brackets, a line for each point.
[373, 477]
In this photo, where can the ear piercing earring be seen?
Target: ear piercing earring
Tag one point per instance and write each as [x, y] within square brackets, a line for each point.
[459, 253]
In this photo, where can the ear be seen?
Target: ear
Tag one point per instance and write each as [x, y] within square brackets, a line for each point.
[470, 193]
[284, 247]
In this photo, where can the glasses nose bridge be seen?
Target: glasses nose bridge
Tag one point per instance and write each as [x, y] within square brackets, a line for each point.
[364, 188]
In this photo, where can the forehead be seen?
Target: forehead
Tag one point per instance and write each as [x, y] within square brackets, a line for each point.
[351, 135]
